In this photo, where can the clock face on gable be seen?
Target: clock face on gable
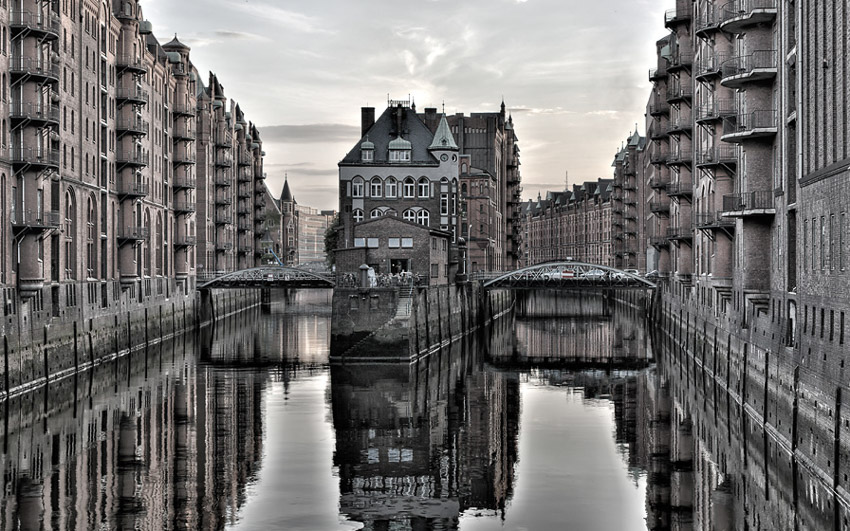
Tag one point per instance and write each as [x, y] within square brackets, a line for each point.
[444, 157]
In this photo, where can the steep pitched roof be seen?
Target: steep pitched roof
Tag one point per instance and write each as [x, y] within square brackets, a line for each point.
[286, 194]
[443, 138]
[386, 129]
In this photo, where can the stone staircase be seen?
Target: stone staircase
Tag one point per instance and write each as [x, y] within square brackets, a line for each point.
[399, 320]
[405, 302]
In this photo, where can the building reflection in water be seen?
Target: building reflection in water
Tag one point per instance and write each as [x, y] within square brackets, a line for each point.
[418, 444]
[154, 440]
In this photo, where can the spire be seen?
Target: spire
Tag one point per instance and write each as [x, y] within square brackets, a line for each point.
[503, 106]
[286, 194]
[443, 138]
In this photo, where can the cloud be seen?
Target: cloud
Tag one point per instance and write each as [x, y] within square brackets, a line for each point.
[310, 133]
[239, 35]
[290, 20]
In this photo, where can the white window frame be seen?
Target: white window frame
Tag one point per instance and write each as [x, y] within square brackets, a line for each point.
[409, 188]
[376, 187]
[409, 215]
[357, 215]
[391, 188]
[357, 187]
[424, 185]
[423, 217]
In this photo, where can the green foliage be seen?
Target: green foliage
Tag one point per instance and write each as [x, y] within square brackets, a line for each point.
[332, 240]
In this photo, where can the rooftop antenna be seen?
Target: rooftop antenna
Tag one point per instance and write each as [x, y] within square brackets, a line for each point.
[444, 106]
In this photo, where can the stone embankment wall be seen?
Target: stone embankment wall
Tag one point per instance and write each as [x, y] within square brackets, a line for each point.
[777, 433]
[40, 345]
[368, 325]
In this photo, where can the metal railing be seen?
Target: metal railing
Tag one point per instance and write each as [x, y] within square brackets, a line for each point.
[679, 92]
[132, 93]
[186, 207]
[679, 189]
[224, 246]
[184, 182]
[223, 161]
[42, 219]
[138, 158]
[722, 154]
[223, 180]
[36, 21]
[680, 123]
[34, 156]
[716, 109]
[755, 200]
[183, 109]
[681, 60]
[34, 111]
[657, 74]
[751, 121]
[743, 8]
[705, 220]
[134, 233]
[682, 232]
[130, 61]
[186, 241]
[681, 13]
[182, 132]
[659, 183]
[746, 64]
[33, 66]
[133, 125]
[134, 189]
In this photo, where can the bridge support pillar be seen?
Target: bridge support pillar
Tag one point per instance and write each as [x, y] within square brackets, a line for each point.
[266, 300]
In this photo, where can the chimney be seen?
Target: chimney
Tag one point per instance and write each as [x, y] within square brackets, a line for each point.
[367, 119]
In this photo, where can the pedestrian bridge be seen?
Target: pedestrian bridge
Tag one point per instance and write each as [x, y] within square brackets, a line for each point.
[565, 275]
[269, 277]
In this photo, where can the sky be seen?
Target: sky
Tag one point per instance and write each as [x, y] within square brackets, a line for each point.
[573, 74]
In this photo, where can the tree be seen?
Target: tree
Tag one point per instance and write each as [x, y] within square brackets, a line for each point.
[332, 240]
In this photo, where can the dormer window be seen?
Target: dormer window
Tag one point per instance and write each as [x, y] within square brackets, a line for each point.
[400, 150]
[367, 151]
[400, 155]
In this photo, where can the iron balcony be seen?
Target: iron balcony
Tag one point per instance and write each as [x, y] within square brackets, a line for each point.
[755, 125]
[738, 15]
[35, 158]
[47, 27]
[754, 203]
[133, 234]
[756, 67]
[133, 95]
[39, 113]
[35, 220]
[38, 68]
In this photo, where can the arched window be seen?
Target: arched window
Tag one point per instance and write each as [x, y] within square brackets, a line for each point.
[424, 188]
[390, 188]
[357, 187]
[70, 234]
[423, 218]
[409, 215]
[376, 213]
[463, 188]
[390, 212]
[409, 188]
[91, 237]
[375, 189]
[357, 215]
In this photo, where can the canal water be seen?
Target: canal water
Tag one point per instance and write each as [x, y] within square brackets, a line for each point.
[531, 424]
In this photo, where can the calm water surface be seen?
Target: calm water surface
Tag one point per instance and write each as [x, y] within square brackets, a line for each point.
[248, 427]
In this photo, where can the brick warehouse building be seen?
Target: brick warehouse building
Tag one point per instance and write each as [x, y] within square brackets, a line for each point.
[576, 224]
[402, 171]
[122, 166]
[749, 146]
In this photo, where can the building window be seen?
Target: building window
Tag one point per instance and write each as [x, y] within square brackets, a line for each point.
[390, 189]
[357, 187]
[409, 215]
[375, 189]
[409, 188]
[407, 243]
[399, 155]
[393, 243]
[423, 218]
[367, 155]
[444, 204]
[360, 242]
[424, 188]
[435, 270]
[357, 215]
[376, 213]
[372, 243]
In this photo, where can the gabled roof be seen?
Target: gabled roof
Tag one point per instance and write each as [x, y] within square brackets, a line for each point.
[386, 129]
